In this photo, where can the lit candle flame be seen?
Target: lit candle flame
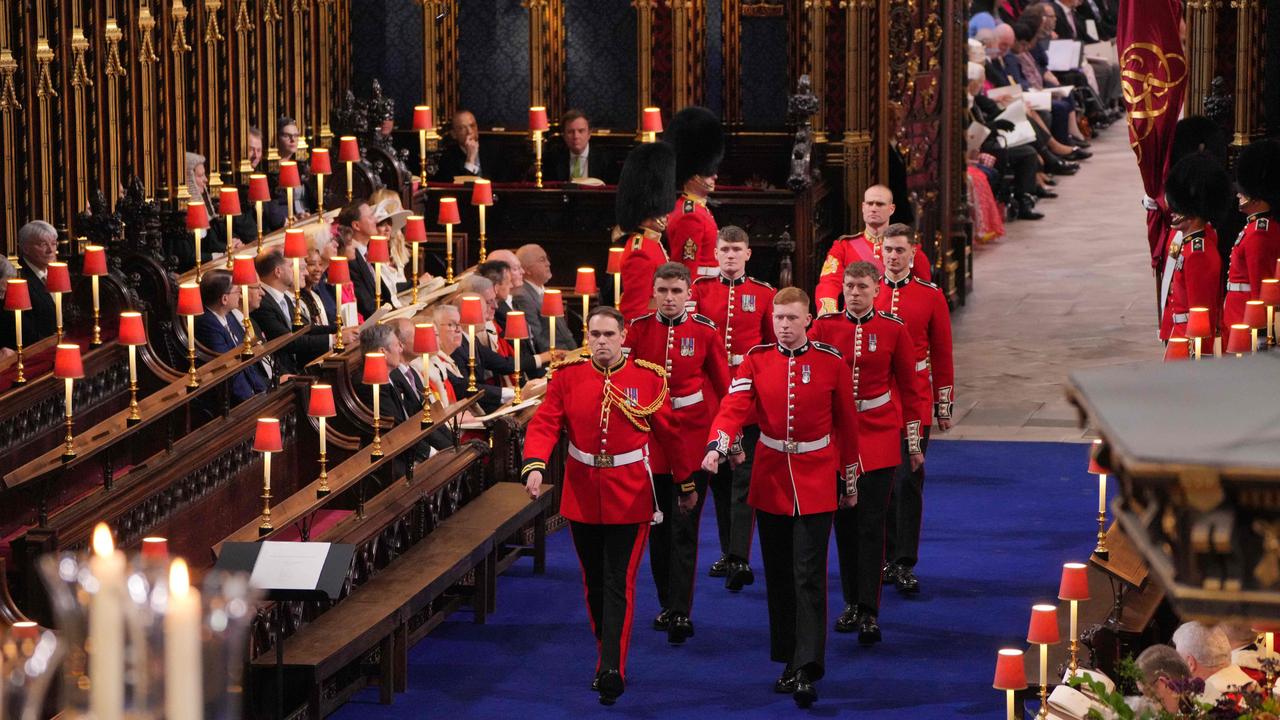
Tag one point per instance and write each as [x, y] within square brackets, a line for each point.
[102, 542]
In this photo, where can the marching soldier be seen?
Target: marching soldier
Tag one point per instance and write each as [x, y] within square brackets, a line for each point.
[1195, 193]
[877, 208]
[740, 306]
[806, 464]
[608, 405]
[688, 347]
[1254, 255]
[923, 307]
[698, 138]
[886, 393]
[646, 189]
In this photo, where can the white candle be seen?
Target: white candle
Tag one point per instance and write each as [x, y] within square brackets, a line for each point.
[617, 289]
[1044, 664]
[1073, 620]
[57, 308]
[133, 364]
[183, 678]
[199, 234]
[322, 439]
[377, 413]
[414, 250]
[337, 298]
[1102, 493]
[69, 381]
[266, 466]
[94, 281]
[553, 331]
[191, 333]
[1008, 702]
[1269, 639]
[517, 341]
[482, 219]
[448, 239]
[106, 629]
[297, 277]
[17, 325]
[377, 279]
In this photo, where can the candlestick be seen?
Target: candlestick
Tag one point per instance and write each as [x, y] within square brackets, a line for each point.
[518, 397]
[377, 284]
[537, 158]
[134, 417]
[106, 629]
[194, 382]
[550, 368]
[69, 448]
[265, 527]
[230, 237]
[257, 208]
[97, 309]
[586, 308]
[413, 250]
[471, 359]
[617, 289]
[131, 334]
[1101, 548]
[324, 473]
[1075, 638]
[247, 350]
[297, 292]
[17, 325]
[377, 423]
[183, 676]
[1044, 681]
[483, 251]
[448, 253]
[289, 217]
[57, 312]
[337, 303]
[199, 235]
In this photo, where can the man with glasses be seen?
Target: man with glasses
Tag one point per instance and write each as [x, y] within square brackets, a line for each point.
[304, 200]
[877, 209]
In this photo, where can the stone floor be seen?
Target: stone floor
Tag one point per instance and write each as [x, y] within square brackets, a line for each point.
[1074, 290]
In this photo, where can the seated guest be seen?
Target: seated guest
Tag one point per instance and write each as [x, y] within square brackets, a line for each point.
[492, 367]
[574, 159]
[317, 295]
[981, 16]
[407, 379]
[1163, 676]
[1207, 653]
[462, 154]
[220, 333]
[7, 329]
[391, 401]
[1021, 161]
[1070, 25]
[390, 216]
[499, 274]
[244, 226]
[356, 221]
[440, 369]
[1062, 110]
[254, 149]
[304, 200]
[37, 247]
[1003, 70]
[275, 317]
[1244, 648]
[517, 277]
[527, 297]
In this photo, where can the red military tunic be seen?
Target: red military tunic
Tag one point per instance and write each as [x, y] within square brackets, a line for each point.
[741, 308]
[1253, 258]
[691, 235]
[603, 411]
[641, 256]
[923, 307]
[688, 348]
[1195, 271]
[879, 351]
[850, 249]
[801, 400]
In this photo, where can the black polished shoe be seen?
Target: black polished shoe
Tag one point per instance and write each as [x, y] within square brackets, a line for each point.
[907, 582]
[660, 622]
[739, 575]
[1079, 154]
[868, 630]
[1062, 167]
[679, 628]
[848, 620]
[889, 573]
[1027, 209]
[610, 686]
[595, 684]
[805, 693]
[1044, 194]
[719, 568]
[786, 684]
[1050, 182]
[1077, 142]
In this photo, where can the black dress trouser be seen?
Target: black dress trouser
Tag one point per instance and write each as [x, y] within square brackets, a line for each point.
[906, 510]
[794, 550]
[734, 517]
[860, 533]
[610, 556]
[673, 544]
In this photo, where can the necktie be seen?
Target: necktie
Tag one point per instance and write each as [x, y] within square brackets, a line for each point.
[577, 167]
[288, 308]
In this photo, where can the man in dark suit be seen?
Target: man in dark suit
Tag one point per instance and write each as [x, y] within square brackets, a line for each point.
[463, 154]
[498, 273]
[358, 218]
[392, 398]
[275, 316]
[574, 158]
[37, 247]
[528, 299]
[218, 331]
[412, 389]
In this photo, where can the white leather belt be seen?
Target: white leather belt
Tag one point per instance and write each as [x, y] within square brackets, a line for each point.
[605, 460]
[1179, 317]
[735, 360]
[1237, 287]
[709, 271]
[922, 365]
[792, 447]
[873, 403]
[686, 400]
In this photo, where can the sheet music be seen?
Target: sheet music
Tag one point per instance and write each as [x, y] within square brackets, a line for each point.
[1065, 55]
[289, 565]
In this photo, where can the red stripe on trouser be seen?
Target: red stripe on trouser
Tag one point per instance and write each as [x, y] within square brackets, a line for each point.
[637, 551]
[586, 597]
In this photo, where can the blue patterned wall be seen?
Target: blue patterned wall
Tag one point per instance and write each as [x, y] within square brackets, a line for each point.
[715, 59]
[764, 72]
[387, 46]
[493, 62]
[600, 52]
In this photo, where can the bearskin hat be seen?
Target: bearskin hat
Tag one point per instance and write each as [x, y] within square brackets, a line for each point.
[1258, 172]
[1197, 133]
[647, 186]
[1198, 186]
[698, 137]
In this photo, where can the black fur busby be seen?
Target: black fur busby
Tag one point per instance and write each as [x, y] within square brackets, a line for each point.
[698, 137]
[1198, 186]
[647, 187]
[1258, 172]
[1197, 133]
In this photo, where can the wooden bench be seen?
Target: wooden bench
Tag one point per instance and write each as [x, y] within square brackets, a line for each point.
[381, 613]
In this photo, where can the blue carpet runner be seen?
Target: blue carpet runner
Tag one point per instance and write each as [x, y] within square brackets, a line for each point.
[1000, 519]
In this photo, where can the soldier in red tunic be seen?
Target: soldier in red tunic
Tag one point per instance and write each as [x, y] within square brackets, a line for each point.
[1195, 193]
[698, 138]
[688, 347]
[740, 306]
[923, 307]
[608, 405]
[887, 394]
[877, 208]
[646, 189]
[806, 465]
[1254, 256]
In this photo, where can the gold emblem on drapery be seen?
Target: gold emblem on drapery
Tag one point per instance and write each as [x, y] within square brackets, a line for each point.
[1148, 76]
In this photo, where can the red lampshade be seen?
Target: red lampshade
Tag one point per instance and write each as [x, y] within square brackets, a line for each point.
[1044, 625]
[132, 331]
[538, 118]
[615, 260]
[472, 310]
[289, 176]
[348, 149]
[375, 369]
[586, 283]
[189, 299]
[425, 341]
[67, 362]
[229, 201]
[25, 631]
[320, 162]
[243, 271]
[95, 257]
[266, 437]
[482, 192]
[339, 271]
[517, 326]
[321, 401]
[422, 118]
[552, 303]
[59, 278]
[379, 250]
[1075, 582]
[1095, 467]
[197, 216]
[17, 296]
[1255, 314]
[415, 229]
[448, 214]
[1240, 339]
[1270, 292]
[259, 190]
[1179, 348]
[1198, 323]
[1011, 673]
[295, 243]
[155, 548]
[652, 120]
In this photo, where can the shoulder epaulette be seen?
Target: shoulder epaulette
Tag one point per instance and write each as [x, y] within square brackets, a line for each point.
[925, 283]
[704, 320]
[657, 369]
[1263, 223]
[759, 282]
[570, 360]
[1197, 244]
[891, 316]
[758, 348]
[637, 241]
[826, 348]
[705, 278]
[830, 314]
[689, 205]
[646, 316]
